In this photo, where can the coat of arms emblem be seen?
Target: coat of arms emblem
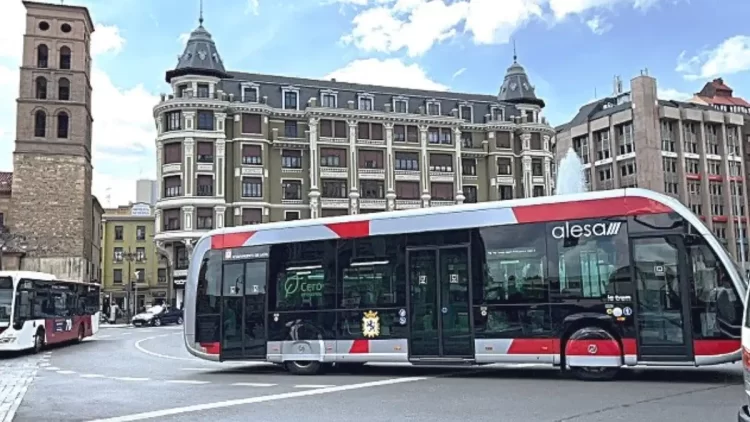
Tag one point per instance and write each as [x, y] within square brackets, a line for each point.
[371, 324]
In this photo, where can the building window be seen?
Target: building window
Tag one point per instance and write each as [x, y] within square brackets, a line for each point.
[502, 140]
[140, 254]
[290, 129]
[370, 159]
[505, 192]
[332, 157]
[118, 254]
[205, 152]
[161, 275]
[605, 174]
[172, 121]
[470, 195]
[537, 191]
[328, 100]
[407, 161]
[205, 120]
[171, 219]
[250, 94]
[667, 136]
[172, 153]
[182, 260]
[692, 166]
[467, 140]
[252, 187]
[291, 215]
[62, 125]
[399, 133]
[537, 167]
[204, 91]
[291, 100]
[627, 168]
[496, 113]
[204, 219]
[42, 56]
[252, 155]
[469, 166]
[205, 185]
[602, 144]
[446, 136]
[119, 233]
[40, 124]
[372, 189]
[172, 186]
[690, 138]
[407, 190]
[441, 162]
[63, 89]
[504, 166]
[625, 133]
[333, 129]
[441, 191]
[365, 103]
[669, 164]
[117, 276]
[251, 216]
[291, 159]
[41, 88]
[140, 233]
[291, 190]
[400, 106]
[433, 108]
[251, 123]
[334, 189]
[466, 113]
[64, 58]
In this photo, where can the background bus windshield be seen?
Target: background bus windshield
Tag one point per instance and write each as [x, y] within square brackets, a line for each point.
[6, 300]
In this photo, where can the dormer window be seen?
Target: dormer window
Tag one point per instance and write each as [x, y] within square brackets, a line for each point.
[400, 105]
[203, 91]
[366, 102]
[328, 99]
[182, 91]
[433, 108]
[250, 93]
[290, 97]
[496, 113]
[465, 113]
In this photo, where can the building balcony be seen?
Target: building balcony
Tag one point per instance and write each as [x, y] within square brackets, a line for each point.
[334, 172]
[371, 174]
[205, 167]
[171, 168]
[441, 202]
[505, 179]
[407, 175]
[334, 202]
[204, 190]
[372, 204]
[363, 141]
[408, 204]
[442, 176]
[332, 140]
[172, 192]
[255, 170]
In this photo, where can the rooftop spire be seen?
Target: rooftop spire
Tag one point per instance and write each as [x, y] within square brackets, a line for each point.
[515, 56]
[200, 16]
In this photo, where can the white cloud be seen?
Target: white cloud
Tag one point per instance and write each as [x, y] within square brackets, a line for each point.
[417, 25]
[598, 25]
[183, 38]
[672, 94]
[388, 72]
[458, 73]
[729, 57]
[253, 6]
[123, 126]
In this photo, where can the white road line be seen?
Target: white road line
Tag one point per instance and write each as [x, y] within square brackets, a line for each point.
[43, 364]
[159, 355]
[66, 372]
[196, 369]
[313, 386]
[131, 379]
[92, 376]
[104, 336]
[187, 382]
[253, 384]
[251, 400]
[52, 368]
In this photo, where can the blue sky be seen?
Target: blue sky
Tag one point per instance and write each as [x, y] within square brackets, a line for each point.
[571, 49]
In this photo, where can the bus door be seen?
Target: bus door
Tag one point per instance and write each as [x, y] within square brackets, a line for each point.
[243, 330]
[662, 311]
[439, 303]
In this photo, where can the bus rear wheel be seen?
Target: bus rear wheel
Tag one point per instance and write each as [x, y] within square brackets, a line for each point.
[300, 367]
[589, 373]
[81, 333]
[39, 341]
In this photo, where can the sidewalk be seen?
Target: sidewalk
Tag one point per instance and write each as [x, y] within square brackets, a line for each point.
[115, 325]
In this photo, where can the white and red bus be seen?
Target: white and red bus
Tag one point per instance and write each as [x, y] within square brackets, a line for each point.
[590, 282]
[37, 309]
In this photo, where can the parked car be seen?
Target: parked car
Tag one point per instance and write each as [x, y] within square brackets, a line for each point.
[157, 316]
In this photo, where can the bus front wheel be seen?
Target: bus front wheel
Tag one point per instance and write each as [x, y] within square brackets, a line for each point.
[39, 341]
[589, 373]
[298, 367]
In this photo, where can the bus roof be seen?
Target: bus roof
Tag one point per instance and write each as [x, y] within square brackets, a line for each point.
[598, 204]
[36, 275]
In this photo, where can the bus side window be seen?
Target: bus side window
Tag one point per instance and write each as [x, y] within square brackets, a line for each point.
[24, 306]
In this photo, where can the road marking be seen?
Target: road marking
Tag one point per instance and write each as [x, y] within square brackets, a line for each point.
[252, 400]
[313, 386]
[188, 382]
[252, 384]
[159, 355]
[43, 364]
[52, 368]
[196, 369]
[104, 336]
[66, 372]
[131, 379]
[92, 376]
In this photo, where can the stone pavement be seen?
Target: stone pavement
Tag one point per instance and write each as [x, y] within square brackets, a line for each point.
[17, 375]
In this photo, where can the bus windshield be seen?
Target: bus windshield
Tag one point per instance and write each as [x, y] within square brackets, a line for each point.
[6, 300]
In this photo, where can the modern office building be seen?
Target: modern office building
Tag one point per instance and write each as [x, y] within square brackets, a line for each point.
[242, 148]
[691, 151]
[129, 255]
[146, 191]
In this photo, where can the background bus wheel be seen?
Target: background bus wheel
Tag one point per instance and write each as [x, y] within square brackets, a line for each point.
[298, 367]
[589, 373]
[81, 333]
[39, 341]
[180, 321]
[157, 322]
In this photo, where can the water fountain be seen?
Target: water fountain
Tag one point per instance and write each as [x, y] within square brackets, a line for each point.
[570, 177]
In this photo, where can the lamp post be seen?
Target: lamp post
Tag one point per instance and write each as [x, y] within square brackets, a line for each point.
[131, 256]
[737, 204]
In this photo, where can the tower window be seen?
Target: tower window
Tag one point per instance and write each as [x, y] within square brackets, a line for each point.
[40, 124]
[41, 88]
[43, 25]
[63, 89]
[42, 56]
[65, 28]
[64, 58]
[63, 122]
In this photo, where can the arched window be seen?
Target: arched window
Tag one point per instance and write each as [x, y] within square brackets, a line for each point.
[42, 54]
[65, 58]
[63, 122]
[63, 89]
[41, 88]
[40, 124]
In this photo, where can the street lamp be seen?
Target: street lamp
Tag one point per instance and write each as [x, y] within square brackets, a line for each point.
[131, 256]
[737, 204]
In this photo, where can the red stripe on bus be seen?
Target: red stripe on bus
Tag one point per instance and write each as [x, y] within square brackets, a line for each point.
[533, 346]
[350, 230]
[360, 346]
[630, 346]
[583, 348]
[715, 347]
[211, 348]
[230, 240]
[595, 208]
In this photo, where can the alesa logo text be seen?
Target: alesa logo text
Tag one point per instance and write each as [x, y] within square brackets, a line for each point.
[586, 230]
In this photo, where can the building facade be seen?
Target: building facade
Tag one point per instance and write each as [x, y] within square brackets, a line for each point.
[129, 254]
[53, 143]
[146, 191]
[239, 148]
[690, 151]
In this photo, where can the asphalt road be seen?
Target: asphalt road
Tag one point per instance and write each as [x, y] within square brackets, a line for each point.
[126, 374]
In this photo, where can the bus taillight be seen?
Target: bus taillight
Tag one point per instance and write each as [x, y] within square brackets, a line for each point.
[210, 348]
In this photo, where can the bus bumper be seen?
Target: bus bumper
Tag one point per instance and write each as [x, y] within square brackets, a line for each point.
[744, 414]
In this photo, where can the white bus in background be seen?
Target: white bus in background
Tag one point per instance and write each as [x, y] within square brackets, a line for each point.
[37, 309]
[590, 283]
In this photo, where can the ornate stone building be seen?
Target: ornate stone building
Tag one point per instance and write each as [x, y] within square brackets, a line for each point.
[51, 203]
[240, 148]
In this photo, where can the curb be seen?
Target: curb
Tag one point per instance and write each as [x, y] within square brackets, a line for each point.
[115, 326]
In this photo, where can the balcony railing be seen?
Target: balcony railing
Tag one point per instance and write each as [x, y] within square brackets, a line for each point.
[205, 190]
[172, 224]
[172, 191]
